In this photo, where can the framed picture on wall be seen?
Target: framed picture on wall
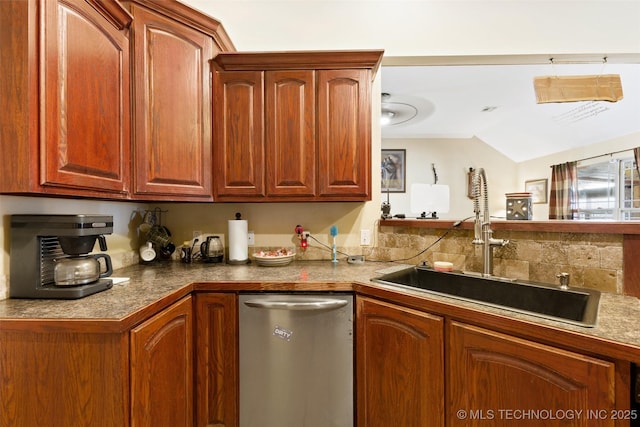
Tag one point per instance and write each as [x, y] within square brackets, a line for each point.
[538, 190]
[393, 173]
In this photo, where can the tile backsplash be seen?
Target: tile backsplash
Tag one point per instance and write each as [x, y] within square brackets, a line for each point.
[592, 260]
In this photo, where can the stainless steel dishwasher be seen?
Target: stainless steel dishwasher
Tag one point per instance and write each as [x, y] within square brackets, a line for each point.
[296, 360]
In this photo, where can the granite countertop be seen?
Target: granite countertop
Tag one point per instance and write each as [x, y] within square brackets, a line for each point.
[618, 319]
[149, 283]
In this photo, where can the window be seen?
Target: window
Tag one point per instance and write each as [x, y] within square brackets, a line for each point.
[609, 191]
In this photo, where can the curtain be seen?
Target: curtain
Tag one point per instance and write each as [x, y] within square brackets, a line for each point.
[636, 157]
[563, 197]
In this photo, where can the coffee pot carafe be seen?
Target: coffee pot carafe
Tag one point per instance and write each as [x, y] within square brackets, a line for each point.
[81, 270]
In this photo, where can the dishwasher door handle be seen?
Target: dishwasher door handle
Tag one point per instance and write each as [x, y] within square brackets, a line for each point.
[317, 304]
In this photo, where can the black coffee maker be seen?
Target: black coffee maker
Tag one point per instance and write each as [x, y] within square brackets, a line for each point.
[50, 256]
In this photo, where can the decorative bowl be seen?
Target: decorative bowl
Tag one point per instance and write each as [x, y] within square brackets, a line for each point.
[274, 258]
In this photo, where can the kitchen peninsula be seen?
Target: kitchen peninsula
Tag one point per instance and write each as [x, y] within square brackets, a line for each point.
[118, 342]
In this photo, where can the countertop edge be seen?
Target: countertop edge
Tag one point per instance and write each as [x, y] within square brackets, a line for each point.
[506, 322]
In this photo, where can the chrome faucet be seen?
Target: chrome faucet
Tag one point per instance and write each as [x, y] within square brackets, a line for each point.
[482, 228]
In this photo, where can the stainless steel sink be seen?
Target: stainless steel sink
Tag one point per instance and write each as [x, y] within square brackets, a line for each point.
[578, 306]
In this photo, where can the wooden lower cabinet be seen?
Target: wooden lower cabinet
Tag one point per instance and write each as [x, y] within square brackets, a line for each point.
[399, 366]
[216, 336]
[499, 380]
[413, 369]
[82, 374]
[60, 378]
[162, 368]
[419, 369]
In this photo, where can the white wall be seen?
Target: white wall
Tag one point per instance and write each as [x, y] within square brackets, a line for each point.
[452, 159]
[431, 27]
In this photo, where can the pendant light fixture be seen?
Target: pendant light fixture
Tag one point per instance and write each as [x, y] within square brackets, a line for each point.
[556, 89]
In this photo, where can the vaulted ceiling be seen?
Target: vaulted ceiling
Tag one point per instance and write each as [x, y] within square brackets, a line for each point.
[497, 104]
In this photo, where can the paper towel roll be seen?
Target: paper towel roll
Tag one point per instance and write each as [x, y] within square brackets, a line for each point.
[238, 241]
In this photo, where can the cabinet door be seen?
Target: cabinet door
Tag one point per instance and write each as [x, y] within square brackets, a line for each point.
[344, 134]
[85, 99]
[217, 360]
[290, 133]
[496, 379]
[239, 135]
[400, 367]
[162, 368]
[172, 108]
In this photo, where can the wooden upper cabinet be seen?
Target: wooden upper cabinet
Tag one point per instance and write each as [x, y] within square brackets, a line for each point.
[239, 138]
[172, 92]
[86, 96]
[264, 134]
[344, 134]
[67, 123]
[400, 366]
[310, 140]
[290, 133]
[490, 373]
[66, 119]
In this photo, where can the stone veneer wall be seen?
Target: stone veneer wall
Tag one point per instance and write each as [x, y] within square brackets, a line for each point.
[593, 260]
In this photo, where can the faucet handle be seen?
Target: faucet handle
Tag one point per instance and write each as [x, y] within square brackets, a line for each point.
[498, 242]
[564, 280]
